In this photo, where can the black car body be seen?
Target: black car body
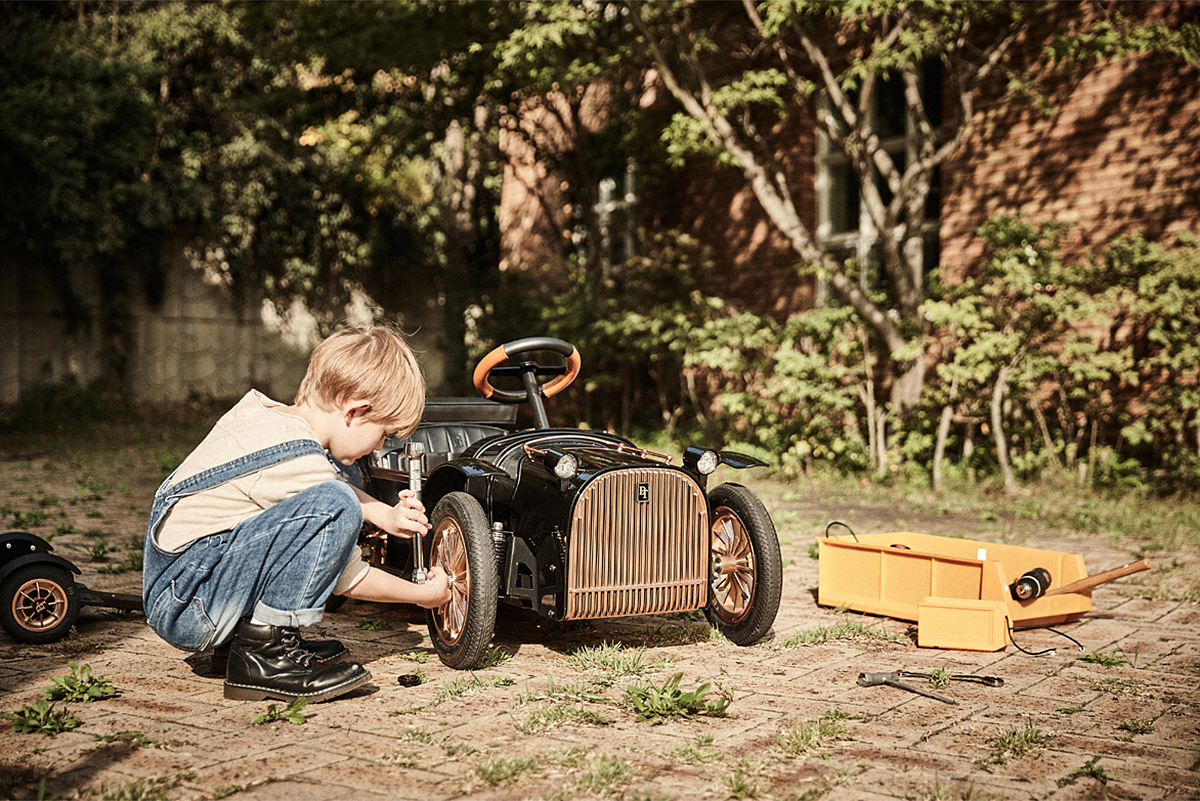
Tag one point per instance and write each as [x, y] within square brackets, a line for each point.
[572, 524]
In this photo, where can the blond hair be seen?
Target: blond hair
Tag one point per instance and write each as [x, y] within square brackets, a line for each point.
[374, 364]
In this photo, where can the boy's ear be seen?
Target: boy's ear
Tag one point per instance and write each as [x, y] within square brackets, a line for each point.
[352, 409]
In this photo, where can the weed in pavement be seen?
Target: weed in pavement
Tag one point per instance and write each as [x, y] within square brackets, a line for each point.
[133, 738]
[1013, 743]
[1137, 726]
[372, 624]
[42, 718]
[807, 737]
[656, 703]
[81, 686]
[293, 713]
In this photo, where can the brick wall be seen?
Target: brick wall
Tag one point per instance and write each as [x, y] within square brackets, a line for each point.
[1122, 155]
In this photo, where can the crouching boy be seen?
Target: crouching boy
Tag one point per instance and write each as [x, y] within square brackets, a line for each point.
[254, 531]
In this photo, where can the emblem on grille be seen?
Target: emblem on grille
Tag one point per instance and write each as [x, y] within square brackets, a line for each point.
[643, 493]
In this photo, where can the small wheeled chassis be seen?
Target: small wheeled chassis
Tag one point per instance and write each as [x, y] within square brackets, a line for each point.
[572, 524]
[39, 597]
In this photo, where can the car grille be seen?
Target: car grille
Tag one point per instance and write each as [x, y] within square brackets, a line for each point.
[638, 545]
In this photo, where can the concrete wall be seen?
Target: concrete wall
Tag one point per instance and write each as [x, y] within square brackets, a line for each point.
[201, 340]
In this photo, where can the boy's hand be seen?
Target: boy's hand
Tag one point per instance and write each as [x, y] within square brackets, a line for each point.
[437, 585]
[407, 517]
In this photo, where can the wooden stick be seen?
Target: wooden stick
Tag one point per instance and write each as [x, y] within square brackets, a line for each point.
[1103, 578]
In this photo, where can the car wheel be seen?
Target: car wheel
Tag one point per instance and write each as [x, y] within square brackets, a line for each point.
[39, 603]
[461, 544]
[747, 572]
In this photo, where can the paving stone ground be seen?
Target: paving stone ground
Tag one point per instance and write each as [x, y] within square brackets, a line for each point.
[540, 725]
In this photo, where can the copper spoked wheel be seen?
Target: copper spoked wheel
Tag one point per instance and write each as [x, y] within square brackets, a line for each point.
[448, 551]
[461, 544]
[747, 572]
[40, 603]
[733, 567]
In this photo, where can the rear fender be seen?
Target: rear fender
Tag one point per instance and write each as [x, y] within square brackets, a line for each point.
[36, 558]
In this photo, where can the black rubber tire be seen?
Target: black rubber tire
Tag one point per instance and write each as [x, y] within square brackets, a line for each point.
[39, 603]
[461, 542]
[747, 580]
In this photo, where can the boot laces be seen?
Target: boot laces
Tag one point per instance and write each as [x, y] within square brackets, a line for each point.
[297, 652]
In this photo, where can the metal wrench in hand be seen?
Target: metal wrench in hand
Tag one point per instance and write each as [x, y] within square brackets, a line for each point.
[415, 453]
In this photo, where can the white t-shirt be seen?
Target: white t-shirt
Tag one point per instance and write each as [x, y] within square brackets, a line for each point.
[254, 423]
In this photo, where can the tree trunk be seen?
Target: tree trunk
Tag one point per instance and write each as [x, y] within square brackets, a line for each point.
[907, 388]
[998, 392]
[1041, 421]
[939, 450]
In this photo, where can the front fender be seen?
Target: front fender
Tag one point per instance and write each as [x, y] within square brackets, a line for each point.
[740, 461]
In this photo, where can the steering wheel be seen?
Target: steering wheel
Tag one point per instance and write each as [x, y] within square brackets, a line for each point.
[564, 374]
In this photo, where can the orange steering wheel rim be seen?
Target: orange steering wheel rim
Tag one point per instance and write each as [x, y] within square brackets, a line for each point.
[509, 350]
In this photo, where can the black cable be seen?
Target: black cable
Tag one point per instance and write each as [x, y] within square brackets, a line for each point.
[843, 525]
[1046, 652]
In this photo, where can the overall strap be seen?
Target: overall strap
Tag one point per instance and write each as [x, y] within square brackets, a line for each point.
[169, 493]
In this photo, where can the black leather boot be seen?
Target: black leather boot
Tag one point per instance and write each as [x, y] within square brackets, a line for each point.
[267, 662]
[323, 650]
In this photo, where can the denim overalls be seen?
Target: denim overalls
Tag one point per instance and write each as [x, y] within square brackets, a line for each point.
[279, 565]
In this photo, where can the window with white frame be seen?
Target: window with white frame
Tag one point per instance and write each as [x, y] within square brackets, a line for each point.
[844, 227]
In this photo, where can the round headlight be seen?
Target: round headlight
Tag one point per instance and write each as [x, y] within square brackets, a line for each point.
[708, 462]
[567, 466]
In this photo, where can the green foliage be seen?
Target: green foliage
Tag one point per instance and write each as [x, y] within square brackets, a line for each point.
[80, 686]
[655, 703]
[293, 713]
[42, 718]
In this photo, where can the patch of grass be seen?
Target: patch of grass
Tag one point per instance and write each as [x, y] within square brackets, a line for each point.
[293, 713]
[226, 790]
[42, 718]
[1012, 744]
[603, 775]
[655, 703]
[98, 551]
[1111, 659]
[1069, 710]
[494, 657]
[1117, 687]
[456, 688]
[608, 662]
[132, 738]
[133, 559]
[742, 785]
[542, 717]
[81, 686]
[842, 630]
[699, 751]
[504, 771]
[807, 737]
[155, 789]
[1137, 726]
[373, 624]
[1089, 770]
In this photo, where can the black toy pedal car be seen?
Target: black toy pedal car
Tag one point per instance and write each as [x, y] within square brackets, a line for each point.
[573, 524]
[39, 597]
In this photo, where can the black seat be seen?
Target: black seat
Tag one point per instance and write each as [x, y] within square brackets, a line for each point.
[448, 427]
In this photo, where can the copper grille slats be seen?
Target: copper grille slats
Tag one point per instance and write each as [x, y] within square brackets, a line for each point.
[631, 557]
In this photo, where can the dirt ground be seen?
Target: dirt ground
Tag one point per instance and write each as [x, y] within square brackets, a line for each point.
[553, 717]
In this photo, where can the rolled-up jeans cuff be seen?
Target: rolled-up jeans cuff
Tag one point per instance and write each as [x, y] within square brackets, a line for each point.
[292, 619]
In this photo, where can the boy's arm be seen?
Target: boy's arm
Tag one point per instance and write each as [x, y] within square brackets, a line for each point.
[381, 586]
